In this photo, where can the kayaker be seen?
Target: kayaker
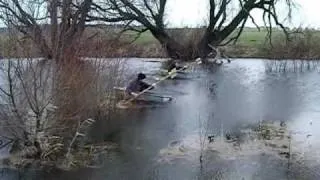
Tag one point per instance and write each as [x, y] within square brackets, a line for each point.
[137, 85]
[175, 66]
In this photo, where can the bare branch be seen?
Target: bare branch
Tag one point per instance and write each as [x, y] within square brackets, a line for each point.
[146, 3]
[235, 38]
[222, 12]
[250, 16]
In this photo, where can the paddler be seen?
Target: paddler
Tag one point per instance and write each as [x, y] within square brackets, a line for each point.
[137, 85]
[174, 67]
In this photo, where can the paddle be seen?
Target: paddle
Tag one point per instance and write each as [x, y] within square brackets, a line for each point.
[170, 91]
[197, 61]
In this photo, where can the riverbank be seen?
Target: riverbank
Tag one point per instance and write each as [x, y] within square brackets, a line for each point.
[252, 43]
[303, 44]
[237, 52]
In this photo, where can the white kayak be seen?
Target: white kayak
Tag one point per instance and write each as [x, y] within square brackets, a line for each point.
[150, 96]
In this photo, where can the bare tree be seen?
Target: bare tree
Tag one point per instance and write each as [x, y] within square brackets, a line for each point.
[46, 107]
[26, 102]
[66, 24]
[45, 121]
[220, 30]
[67, 20]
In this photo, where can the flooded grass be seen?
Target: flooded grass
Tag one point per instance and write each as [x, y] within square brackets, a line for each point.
[268, 139]
[282, 66]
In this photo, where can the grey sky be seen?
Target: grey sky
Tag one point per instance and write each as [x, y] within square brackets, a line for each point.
[194, 12]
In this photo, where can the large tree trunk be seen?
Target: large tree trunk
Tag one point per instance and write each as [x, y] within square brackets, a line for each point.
[175, 50]
[203, 47]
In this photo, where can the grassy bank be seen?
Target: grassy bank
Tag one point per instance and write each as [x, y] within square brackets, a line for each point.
[251, 44]
[255, 44]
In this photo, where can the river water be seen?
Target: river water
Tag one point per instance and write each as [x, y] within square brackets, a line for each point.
[229, 102]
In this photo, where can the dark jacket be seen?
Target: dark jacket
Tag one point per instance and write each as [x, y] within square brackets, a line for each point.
[174, 66]
[137, 86]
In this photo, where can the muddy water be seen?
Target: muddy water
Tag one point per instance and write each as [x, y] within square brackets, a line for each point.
[264, 126]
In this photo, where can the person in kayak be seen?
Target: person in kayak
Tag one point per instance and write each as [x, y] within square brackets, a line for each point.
[174, 66]
[137, 85]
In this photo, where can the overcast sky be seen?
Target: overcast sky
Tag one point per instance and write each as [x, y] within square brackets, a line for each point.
[194, 13]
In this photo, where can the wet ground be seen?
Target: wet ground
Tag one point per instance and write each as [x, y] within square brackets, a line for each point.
[261, 125]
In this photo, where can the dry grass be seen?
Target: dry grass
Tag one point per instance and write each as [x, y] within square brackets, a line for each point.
[302, 45]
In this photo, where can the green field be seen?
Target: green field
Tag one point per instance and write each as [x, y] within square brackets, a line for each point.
[249, 37]
[251, 43]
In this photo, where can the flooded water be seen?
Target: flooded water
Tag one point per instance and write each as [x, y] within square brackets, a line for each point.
[263, 126]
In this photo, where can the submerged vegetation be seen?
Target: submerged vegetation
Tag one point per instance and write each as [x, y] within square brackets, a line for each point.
[267, 138]
[282, 66]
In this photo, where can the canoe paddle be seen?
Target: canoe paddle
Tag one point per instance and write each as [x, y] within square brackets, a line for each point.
[170, 74]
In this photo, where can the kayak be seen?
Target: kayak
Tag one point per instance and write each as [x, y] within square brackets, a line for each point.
[177, 75]
[150, 96]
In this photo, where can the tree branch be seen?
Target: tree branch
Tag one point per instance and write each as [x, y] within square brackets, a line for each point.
[221, 12]
[235, 38]
[146, 4]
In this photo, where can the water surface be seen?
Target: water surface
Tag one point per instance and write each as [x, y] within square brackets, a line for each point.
[165, 142]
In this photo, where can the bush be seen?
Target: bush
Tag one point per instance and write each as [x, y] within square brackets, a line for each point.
[303, 44]
[49, 108]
